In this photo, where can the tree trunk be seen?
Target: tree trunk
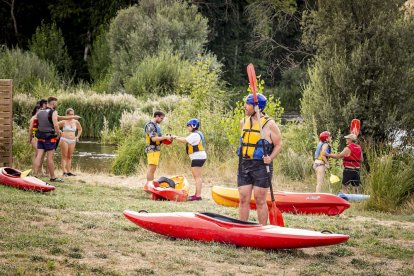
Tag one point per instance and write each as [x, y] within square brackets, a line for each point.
[13, 17]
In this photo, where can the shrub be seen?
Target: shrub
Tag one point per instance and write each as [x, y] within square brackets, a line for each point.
[390, 181]
[27, 70]
[130, 154]
[158, 74]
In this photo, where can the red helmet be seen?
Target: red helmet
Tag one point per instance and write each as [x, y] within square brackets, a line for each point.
[324, 136]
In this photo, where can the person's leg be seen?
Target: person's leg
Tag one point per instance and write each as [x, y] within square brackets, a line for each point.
[245, 193]
[38, 162]
[71, 149]
[153, 160]
[320, 177]
[50, 163]
[261, 204]
[196, 171]
[151, 172]
[64, 151]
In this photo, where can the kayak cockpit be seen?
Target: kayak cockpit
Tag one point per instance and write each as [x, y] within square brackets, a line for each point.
[227, 219]
[11, 172]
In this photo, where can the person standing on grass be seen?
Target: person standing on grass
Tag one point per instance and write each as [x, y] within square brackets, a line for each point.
[33, 126]
[47, 135]
[153, 139]
[252, 176]
[321, 161]
[71, 131]
[352, 159]
[195, 147]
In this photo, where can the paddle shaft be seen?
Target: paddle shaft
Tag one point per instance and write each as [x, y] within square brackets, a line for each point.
[269, 177]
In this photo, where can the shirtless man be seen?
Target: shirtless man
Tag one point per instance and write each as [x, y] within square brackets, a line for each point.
[252, 176]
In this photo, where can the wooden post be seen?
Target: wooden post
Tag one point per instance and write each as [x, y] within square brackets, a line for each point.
[6, 122]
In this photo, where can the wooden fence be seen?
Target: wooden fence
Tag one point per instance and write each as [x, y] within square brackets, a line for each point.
[6, 122]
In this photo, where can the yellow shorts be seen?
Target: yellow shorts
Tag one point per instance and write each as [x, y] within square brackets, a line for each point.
[153, 158]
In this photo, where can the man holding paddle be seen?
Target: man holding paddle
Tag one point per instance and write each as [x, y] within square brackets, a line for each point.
[260, 143]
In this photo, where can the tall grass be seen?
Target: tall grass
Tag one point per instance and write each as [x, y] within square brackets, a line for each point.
[22, 150]
[390, 181]
[92, 107]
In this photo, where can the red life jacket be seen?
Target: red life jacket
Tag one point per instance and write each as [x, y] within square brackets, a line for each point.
[354, 159]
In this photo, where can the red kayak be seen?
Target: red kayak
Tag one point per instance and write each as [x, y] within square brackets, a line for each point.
[162, 191]
[297, 203]
[12, 177]
[210, 227]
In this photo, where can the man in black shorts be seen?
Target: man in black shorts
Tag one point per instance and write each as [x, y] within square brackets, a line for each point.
[252, 176]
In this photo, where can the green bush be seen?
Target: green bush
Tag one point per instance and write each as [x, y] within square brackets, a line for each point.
[48, 44]
[158, 74]
[130, 154]
[390, 181]
[296, 166]
[27, 70]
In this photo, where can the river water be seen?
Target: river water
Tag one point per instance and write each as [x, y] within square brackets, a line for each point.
[91, 156]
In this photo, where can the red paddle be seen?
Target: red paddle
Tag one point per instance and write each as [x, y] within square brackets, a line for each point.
[355, 127]
[275, 216]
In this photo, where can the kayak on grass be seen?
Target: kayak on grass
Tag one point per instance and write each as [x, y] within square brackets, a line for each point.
[211, 227]
[174, 188]
[354, 197]
[13, 177]
[297, 203]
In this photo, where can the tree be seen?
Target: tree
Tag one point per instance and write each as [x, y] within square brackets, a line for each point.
[151, 27]
[363, 67]
[48, 44]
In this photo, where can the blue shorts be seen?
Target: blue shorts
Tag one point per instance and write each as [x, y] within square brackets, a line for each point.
[46, 145]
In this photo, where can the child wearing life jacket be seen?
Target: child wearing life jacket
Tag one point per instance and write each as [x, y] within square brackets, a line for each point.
[195, 147]
[321, 161]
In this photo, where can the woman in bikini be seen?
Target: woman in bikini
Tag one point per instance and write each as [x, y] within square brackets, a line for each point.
[71, 131]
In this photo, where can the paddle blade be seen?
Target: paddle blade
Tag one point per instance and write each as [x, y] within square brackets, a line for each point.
[334, 179]
[25, 173]
[355, 127]
[251, 73]
[275, 216]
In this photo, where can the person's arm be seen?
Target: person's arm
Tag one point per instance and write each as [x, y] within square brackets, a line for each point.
[55, 123]
[152, 133]
[79, 127]
[61, 123]
[68, 117]
[180, 139]
[276, 137]
[31, 130]
[345, 153]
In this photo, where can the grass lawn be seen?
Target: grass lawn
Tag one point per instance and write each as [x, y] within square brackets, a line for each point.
[79, 229]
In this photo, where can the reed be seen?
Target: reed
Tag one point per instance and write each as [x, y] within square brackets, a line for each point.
[92, 107]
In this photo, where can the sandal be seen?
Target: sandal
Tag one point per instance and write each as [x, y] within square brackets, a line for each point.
[194, 197]
[56, 180]
[70, 174]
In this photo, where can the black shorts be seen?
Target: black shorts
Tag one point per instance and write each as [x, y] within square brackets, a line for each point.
[197, 162]
[351, 177]
[253, 172]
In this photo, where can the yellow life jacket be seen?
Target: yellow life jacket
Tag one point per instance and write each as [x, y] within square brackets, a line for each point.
[200, 147]
[250, 148]
[148, 138]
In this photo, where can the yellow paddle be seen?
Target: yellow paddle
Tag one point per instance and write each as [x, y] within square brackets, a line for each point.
[25, 173]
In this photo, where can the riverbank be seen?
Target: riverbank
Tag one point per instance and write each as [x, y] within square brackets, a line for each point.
[79, 228]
